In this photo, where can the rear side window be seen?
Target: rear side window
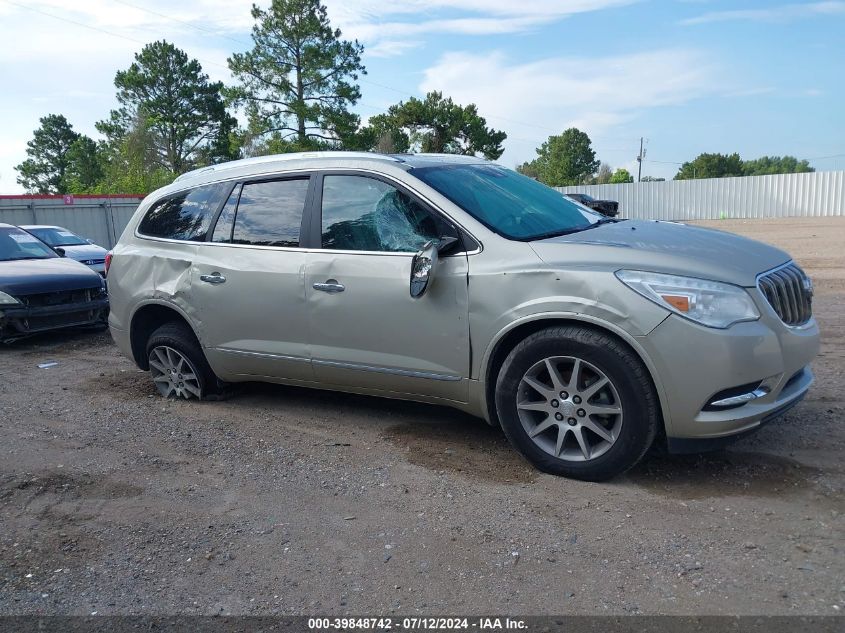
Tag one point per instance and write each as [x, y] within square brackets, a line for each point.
[270, 213]
[185, 216]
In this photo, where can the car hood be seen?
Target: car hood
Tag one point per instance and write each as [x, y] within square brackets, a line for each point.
[34, 276]
[665, 247]
[85, 251]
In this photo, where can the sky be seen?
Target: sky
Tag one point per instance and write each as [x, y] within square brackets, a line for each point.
[756, 77]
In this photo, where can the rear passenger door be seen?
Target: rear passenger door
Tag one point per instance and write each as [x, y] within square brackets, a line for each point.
[366, 329]
[248, 282]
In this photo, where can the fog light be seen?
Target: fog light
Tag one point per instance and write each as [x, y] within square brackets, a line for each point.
[736, 397]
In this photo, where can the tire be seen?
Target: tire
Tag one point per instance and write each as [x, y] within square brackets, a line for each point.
[174, 346]
[607, 427]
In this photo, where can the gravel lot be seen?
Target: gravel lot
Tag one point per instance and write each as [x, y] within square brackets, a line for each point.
[290, 501]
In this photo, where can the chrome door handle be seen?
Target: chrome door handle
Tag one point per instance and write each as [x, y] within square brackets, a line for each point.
[331, 286]
[216, 278]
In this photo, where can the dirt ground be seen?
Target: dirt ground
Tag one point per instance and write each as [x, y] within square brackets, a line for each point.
[291, 501]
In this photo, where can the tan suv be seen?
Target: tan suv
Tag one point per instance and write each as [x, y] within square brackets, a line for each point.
[453, 280]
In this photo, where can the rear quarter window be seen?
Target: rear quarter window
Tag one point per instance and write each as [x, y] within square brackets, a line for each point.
[186, 215]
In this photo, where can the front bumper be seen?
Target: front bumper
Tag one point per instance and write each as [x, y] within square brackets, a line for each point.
[695, 363]
[19, 321]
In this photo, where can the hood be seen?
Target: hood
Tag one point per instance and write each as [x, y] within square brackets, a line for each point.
[665, 247]
[34, 276]
[85, 251]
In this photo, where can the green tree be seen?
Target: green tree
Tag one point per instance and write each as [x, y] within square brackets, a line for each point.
[711, 166]
[435, 124]
[85, 166]
[299, 80]
[132, 165]
[621, 176]
[529, 169]
[45, 168]
[186, 120]
[566, 159]
[775, 165]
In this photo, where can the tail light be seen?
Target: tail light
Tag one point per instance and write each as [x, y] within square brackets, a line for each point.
[108, 263]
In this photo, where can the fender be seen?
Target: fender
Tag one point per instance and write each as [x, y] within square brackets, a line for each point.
[571, 317]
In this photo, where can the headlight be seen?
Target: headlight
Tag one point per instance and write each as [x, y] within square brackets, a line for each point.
[709, 303]
[7, 300]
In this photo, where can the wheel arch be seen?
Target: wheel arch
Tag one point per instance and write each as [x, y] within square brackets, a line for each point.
[517, 331]
[145, 320]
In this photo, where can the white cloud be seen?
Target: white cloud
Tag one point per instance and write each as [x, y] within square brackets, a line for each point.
[782, 13]
[392, 48]
[60, 56]
[533, 100]
[380, 24]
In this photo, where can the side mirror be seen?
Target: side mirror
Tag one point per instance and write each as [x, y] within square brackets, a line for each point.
[422, 268]
[60, 251]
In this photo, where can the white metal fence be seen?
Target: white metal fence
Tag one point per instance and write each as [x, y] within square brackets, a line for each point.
[98, 218]
[783, 195]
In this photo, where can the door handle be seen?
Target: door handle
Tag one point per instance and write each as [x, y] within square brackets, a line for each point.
[331, 286]
[215, 278]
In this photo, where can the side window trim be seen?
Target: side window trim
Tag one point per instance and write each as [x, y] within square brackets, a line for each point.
[216, 216]
[309, 234]
[315, 234]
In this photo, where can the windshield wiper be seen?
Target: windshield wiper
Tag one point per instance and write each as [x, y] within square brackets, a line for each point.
[550, 234]
[602, 221]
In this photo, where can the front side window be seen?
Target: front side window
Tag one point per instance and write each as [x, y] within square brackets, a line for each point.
[509, 203]
[364, 214]
[186, 215]
[270, 213]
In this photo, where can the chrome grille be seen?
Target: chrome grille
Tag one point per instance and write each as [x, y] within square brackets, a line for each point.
[790, 292]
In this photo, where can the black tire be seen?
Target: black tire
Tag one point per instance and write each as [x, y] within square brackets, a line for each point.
[181, 338]
[641, 415]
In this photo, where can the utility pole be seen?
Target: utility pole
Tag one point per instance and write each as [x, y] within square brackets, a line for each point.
[640, 157]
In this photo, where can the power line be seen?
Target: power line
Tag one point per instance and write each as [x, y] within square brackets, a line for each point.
[826, 157]
[197, 27]
[242, 42]
[361, 79]
[98, 29]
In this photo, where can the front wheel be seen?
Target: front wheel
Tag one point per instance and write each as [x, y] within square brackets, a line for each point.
[577, 402]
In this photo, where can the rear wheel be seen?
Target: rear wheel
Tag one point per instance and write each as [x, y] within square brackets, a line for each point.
[577, 402]
[177, 364]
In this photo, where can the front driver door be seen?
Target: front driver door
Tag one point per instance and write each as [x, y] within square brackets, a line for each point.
[366, 331]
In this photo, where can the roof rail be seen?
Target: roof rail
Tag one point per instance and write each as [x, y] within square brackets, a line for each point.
[272, 158]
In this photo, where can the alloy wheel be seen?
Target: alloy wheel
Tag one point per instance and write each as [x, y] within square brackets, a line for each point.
[173, 374]
[569, 408]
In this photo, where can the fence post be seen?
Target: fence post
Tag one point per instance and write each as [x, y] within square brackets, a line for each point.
[107, 211]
